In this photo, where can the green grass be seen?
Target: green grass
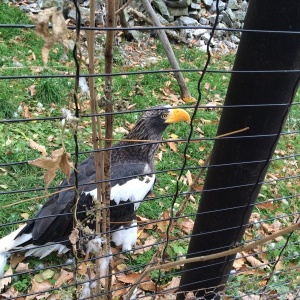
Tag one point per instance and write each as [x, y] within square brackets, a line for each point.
[17, 46]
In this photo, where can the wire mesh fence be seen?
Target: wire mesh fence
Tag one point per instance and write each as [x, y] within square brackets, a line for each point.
[219, 223]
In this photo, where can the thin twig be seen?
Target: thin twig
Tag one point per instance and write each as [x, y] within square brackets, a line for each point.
[170, 33]
[37, 198]
[122, 7]
[108, 91]
[230, 252]
[96, 132]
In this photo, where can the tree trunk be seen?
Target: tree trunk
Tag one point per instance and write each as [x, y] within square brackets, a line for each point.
[239, 165]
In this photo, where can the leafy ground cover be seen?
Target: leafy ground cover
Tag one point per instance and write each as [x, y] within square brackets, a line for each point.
[33, 98]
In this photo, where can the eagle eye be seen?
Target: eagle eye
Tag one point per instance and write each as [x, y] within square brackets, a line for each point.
[164, 116]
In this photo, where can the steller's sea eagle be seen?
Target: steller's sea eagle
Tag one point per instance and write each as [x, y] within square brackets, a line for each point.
[132, 178]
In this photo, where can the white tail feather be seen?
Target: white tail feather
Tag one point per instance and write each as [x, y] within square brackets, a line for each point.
[3, 259]
[9, 242]
[42, 252]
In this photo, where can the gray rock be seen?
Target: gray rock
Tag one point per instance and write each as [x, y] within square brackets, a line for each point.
[208, 2]
[195, 6]
[99, 20]
[228, 17]
[86, 3]
[244, 5]
[177, 12]
[213, 8]
[203, 21]
[212, 19]
[187, 21]
[201, 43]
[205, 37]
[221, 32]
[199, 32]
[230, 44]
[50, 3]
[235, 39]
[240, 15]
[203, 12]
[162, 20]
[162, 8]
[194, 14]
[25, 8]
[177, 3]
[85, 14]
[203, 48]
[233, 4]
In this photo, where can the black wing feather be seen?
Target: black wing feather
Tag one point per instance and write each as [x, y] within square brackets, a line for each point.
[54, 221]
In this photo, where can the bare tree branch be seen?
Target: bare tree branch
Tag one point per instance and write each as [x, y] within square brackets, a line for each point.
[185, 94]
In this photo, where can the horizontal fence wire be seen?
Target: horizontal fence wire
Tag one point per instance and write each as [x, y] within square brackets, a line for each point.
[268, 271]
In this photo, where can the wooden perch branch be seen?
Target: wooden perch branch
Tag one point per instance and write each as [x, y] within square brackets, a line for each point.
[170, 33]
[185, 94]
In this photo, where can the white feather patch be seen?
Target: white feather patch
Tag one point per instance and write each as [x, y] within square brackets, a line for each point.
[3, 259]
[42, 252]
[94, 246]
[134, 189]
[86, 291]
[9, 242]
[125, 237]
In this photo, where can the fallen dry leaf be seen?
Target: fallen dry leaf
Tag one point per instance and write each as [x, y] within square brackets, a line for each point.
[279, 266]
[254, 261]
[15, 259]
[159, 155]
[59, 160]
[205, 122]
[149, 286]
[187, 225]
[189, 177]
[38, 287]
[22, 267]
[25, 216]
[11, 293]
[239, 261]
[149, 243]
[119, 290]
[32, 90]
[164, 221]
[173, 146]
[64, 276]
[130, 278]
[144, 222]
[5, 281]
[266, 205]
[27, 114]
[74, 236]
[38, 147]
[173, 285]
[267, 227]
[189, 99]
[59, 30]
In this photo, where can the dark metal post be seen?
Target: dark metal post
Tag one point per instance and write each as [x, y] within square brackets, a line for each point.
[231, 190]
